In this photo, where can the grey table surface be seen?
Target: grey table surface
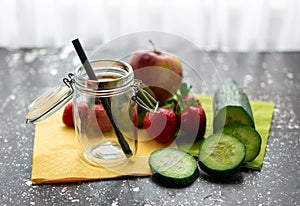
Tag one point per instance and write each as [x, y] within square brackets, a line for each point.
[271, 76]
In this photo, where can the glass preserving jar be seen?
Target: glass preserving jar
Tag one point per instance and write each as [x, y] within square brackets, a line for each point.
[104, 111]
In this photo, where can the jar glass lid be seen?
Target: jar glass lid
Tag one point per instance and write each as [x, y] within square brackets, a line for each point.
[49, 102]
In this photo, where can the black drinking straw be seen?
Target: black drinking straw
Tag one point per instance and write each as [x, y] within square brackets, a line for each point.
[90, 72]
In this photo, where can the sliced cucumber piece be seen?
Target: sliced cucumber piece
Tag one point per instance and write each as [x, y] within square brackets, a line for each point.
[249, 136]
[221, 155]
[173, 167]
[231, 106]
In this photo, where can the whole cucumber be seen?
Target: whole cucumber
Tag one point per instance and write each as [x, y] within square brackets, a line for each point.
[231, 106]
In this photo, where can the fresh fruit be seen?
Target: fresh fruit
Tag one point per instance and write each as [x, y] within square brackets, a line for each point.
[193, 120]
[102, 118]
[67, 117]
[173, 167]
[99, 119]
[249, 136]
[161, 126]
[191, 114]
[161, 71]
[221, 155]
[95, 118]
[231, 106]
[83, 112]
[134, 120]
[189, 98]
[134, 116]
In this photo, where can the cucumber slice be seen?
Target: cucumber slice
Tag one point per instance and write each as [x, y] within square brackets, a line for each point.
[231, 106]
[173, 167]
[221, 155]
[249, 136]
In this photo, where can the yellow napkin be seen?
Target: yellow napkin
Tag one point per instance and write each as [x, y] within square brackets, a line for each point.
[56, 151]
[56, 156]
[262, 113]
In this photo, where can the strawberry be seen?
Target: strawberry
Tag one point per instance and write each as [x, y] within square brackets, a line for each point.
[67, 117]
[99, 119]
[193, 120]
[161, 126]
[83, 112]
[190, 113]
[133, 114]
[189, 98]
[134, 117]
[183, 99]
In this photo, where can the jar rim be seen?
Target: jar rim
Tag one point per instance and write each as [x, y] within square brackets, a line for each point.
[115, 76]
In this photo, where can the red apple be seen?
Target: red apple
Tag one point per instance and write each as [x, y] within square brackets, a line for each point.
[161, 71]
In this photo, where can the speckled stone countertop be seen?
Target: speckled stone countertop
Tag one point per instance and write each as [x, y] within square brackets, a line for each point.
[274, 76]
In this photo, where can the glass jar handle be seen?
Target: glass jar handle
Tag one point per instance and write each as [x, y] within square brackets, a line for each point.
[149, 103]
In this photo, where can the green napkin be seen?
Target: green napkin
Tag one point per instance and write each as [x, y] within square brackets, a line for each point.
[262, 112]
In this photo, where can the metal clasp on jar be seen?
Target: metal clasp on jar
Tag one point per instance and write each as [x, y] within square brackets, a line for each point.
[143, 98]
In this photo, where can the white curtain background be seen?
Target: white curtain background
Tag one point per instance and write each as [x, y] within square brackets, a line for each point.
[235, 25]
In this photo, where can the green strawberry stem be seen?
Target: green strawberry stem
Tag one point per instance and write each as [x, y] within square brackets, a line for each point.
[184, 89]
[183, 92]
